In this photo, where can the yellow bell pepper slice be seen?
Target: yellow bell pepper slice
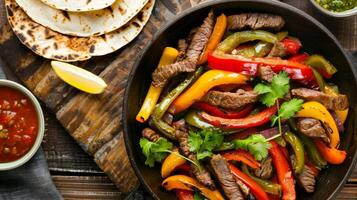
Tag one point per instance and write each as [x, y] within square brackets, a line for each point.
[318, 111]
[171, 163]
[168, 56]
[184, 182]
[207, 81]
[341, 114]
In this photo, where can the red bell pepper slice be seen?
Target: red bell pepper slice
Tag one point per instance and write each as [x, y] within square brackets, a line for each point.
[249, 66]
[284, 173]
[213, 110]
[301, 58]
[292, 45]
[183, 168]
[184, 194]
[241, 155]
[254, 187]
[247, 122]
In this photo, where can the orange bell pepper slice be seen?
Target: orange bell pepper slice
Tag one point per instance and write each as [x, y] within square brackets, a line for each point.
[207, 81]
[216, 37]
[168, 56]
[187, 183]
[331, 155]
[171, 163]
[318, 111]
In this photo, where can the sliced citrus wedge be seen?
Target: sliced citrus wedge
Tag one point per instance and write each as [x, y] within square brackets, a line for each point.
[79, 78]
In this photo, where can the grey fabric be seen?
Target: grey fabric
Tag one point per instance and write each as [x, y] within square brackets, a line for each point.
[31, 181]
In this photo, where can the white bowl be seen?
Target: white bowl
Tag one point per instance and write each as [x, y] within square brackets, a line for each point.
[41, 126]
[346, 13]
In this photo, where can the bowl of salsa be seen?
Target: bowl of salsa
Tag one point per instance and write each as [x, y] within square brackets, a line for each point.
[336, 8]
[21, 125]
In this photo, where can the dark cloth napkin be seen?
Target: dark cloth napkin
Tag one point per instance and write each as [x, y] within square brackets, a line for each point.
[32, 181]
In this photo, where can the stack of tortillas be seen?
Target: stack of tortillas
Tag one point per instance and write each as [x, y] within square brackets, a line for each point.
[75, 30]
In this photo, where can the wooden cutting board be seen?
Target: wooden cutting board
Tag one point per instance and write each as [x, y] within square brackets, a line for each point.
[94, 121]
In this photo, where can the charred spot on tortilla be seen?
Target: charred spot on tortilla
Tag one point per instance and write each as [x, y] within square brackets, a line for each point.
[136, 24]
[34, 47]
[121, 10]
[30, 33]
[9, 11]
[92, 48]
[141, 16]
[66, 15]
[88, 1]
[21, 36]
[22, 27]
[110, 10]
[55, 45]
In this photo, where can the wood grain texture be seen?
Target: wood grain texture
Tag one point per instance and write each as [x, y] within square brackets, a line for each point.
[95, 121]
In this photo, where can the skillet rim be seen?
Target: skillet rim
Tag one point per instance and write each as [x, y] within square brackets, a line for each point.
[168, 24]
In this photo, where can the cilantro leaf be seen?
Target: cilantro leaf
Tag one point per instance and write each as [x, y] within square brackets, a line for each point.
[269, 93]
[255, 144]
[204, 142]
[155, 151]
[288, 110]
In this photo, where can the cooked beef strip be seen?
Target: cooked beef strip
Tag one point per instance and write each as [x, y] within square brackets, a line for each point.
[307, 179]
[278, 50]
[168, 118]
[182, 47]
[151, 135]
[200, 38]
[339, 102]
[161, 75]
[312, 128]
[255, 21]
[231, 100]
[202, 175]
[266, 169]
[266, 73]
[180, 125]
[243, 187]
[224, 175]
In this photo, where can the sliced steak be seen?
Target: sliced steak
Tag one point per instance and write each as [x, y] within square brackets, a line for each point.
[338, 102]
[224, 175]
[150, 134]
[231, 100]
[266, 169]
[163, 74]
[278, 50]
[200, 38]
[182, 47]
[266, 73]
[202, 175]
[255, 21]
[312, 128]
[307, 179]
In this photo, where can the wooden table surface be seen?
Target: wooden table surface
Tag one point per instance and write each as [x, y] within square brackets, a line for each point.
[78, 177]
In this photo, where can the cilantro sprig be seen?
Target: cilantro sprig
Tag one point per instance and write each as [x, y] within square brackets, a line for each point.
[158, 150]
[271, 93]
[155, 151]
[204, 142]
[278, 88]
[255, 144]
[287, 110]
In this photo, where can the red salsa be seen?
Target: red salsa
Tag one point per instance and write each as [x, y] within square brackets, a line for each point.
[18, 124]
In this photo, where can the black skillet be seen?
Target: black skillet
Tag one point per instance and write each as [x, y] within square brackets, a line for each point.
[315, 39]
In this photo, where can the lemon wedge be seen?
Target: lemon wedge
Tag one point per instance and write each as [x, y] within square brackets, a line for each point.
[79, 78]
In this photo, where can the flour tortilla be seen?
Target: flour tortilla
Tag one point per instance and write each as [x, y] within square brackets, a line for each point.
[52, 45]
[83, 24]
[79, 5]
